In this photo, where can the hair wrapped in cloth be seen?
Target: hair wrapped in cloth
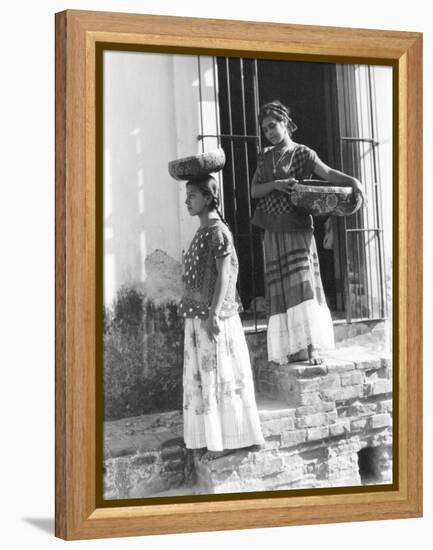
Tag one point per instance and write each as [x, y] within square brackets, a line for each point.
[279, 111]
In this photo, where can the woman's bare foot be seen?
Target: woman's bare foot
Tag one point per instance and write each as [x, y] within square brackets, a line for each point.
[299, 356]
[213, 455]
[314, 356]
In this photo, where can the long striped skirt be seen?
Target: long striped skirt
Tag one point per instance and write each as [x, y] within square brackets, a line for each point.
[219, 406]
[298, 313]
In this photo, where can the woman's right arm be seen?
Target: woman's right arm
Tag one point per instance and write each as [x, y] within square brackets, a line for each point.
[259, 190]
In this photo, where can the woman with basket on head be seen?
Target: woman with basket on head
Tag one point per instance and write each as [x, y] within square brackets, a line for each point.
[219, 406]
[299, 322]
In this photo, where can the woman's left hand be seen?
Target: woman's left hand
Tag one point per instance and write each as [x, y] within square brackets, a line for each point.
[359, 189]
[213, 328]
[286, 185]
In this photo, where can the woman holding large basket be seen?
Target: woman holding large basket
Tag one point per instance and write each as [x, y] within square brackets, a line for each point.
[299, 323]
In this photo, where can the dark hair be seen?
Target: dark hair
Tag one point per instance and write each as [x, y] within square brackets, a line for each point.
[278, 111]
[208, 187]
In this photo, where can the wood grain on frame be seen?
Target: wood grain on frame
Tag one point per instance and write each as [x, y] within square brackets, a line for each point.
[77, 34]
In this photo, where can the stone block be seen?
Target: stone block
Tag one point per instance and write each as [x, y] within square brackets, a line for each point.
[321, 406]
[232, 484]
[227, 462]
[386, 362]
[378, 387]
[120, 448]
[307, 482]
[310, 468]
[313, 453]
[150, 441]
[312, 420]
[332, 417]
[385, 406]
[266, 415]
[384, 372]
[144, 460]
[344, 394]
[248, 471]
[272, 442]
[314, 434]
[351, 479]
[351, 378]
[154, 484]
[277, 426]
[343, 464]
[345, 446]
[380, 421]
[306, 410]
[292, 461]
[286, 385]
[173, 453]
[308, 385]
[358, 424]
[267, 389]
[331, 381]
[267, 464]
[339, 365]
[291, 439]
[174, 466]
[328, 406]
[367, 363]
[294, 398]
[224, 476]
[361, 408]
[284, 479]
[308, 398]
[312, 371]
[252, 485]
[341, 427]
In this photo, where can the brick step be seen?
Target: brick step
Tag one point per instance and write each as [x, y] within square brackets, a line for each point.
[315, 421]
[144, 455]
[346, 373]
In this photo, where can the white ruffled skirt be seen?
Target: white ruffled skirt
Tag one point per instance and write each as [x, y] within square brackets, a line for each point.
[219, 406]
[298, 313]
[301, 325]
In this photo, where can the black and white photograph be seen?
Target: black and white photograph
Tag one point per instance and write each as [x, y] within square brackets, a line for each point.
[247, 275]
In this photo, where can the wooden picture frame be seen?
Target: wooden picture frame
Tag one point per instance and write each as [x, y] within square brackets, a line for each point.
[78, 402]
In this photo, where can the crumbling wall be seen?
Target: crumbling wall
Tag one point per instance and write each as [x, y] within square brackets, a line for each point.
[143, 343]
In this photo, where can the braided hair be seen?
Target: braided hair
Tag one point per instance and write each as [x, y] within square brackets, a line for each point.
[278, 111]
[208, 186]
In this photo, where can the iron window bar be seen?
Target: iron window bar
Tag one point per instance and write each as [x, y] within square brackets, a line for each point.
[236, 141]
[360, 139]
[227, 136]
[365, 229]
[363, 269]
[365, 247]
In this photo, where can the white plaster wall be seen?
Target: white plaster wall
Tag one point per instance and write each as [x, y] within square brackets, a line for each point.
[379, 99]
[383, 94]
[151, 116]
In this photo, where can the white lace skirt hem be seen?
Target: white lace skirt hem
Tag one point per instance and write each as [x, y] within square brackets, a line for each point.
[219, 406]
[301, 325]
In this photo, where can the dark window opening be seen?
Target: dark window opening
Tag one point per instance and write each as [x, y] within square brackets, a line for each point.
[375, 465]
[323, 101]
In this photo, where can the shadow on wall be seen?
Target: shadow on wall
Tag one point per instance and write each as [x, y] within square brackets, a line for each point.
[154, 109]
[143, 356]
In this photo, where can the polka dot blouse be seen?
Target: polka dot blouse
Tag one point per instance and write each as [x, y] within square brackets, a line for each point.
[200, 272]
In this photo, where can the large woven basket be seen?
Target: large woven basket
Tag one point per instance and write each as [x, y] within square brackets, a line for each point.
[318, 198]
[197, 166]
